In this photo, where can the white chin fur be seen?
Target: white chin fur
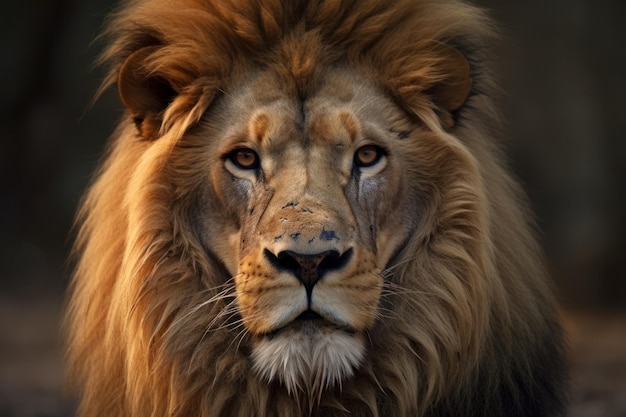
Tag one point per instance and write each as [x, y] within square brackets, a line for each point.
[312, 360]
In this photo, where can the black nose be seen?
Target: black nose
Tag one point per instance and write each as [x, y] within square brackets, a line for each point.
[309, 269]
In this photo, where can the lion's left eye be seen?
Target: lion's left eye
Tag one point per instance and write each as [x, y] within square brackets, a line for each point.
[244, 158]
[368, 155]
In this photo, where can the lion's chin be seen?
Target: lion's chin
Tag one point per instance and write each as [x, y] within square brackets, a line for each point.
[308, 356]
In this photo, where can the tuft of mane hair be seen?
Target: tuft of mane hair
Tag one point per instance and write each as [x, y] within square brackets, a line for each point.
[136, 346]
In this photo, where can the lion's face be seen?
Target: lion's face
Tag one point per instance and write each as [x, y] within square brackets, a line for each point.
[316, 188]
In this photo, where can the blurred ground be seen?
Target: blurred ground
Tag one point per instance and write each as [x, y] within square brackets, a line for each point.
[598, 343]
[31, 367]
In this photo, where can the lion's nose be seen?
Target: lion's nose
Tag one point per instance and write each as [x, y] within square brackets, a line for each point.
[309, 269]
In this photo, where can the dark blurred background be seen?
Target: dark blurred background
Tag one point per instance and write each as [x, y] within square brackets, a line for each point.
[563, 66]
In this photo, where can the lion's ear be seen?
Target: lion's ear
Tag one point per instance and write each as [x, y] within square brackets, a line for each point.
[453, 91]
[144, 95]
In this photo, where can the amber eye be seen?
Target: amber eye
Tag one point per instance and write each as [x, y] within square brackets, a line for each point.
[368, 155]
[244, 158]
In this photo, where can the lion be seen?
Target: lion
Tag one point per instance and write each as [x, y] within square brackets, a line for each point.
[305, 211]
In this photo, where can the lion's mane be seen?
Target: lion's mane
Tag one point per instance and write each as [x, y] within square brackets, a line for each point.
[472, 276]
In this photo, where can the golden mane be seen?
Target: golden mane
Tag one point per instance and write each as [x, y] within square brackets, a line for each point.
[204, 46]
[136, 346]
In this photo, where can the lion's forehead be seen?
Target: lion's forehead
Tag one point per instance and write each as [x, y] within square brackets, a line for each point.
[331, 125]
[335, 116]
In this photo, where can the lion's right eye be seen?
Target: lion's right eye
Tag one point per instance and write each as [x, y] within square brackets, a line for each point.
[244, 158]
[368, 155]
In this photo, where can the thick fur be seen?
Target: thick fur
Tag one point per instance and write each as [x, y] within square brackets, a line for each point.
[443, 307]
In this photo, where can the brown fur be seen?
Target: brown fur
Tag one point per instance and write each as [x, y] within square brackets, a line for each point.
[445, 288]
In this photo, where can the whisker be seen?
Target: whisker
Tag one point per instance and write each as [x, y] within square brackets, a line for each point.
[243, 333]
[222, 295]
[393, 288]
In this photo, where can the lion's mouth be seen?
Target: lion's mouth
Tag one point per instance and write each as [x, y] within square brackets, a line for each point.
[309, 350]
[308, 315]
[309, 322]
